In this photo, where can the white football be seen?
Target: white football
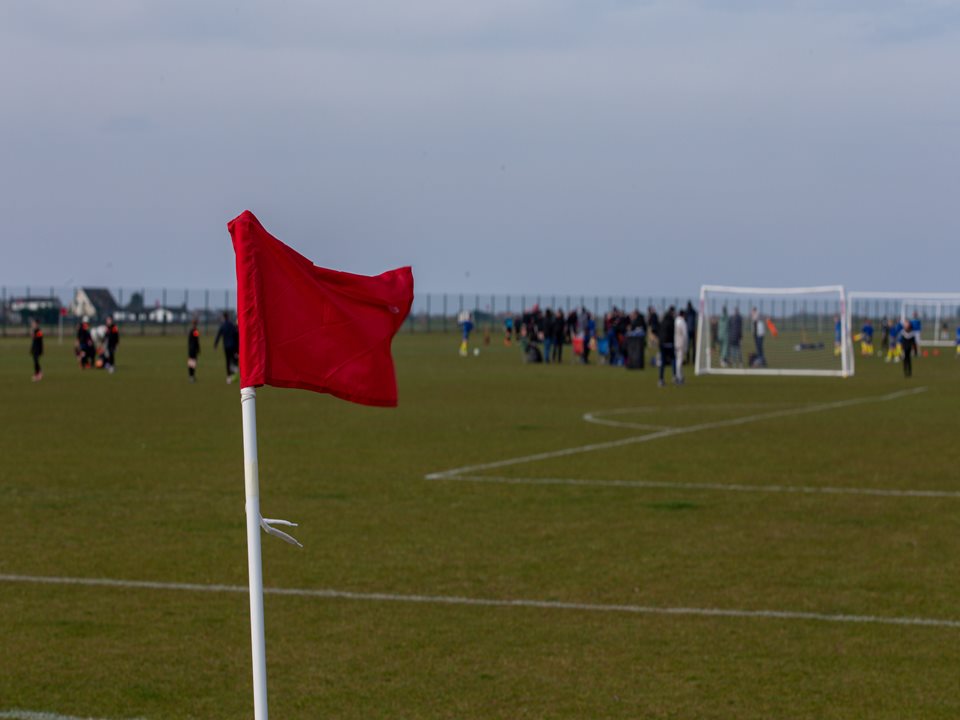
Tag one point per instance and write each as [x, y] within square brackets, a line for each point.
[476, 351]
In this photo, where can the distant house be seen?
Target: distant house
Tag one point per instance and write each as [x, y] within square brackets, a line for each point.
[96, 303]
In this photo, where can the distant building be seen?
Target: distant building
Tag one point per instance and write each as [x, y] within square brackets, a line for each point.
[169, 315]
[22, 309]
[96, 303]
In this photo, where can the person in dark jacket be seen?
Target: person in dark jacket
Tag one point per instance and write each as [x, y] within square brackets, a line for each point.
[85, 349]
[666, 345]
[691, 318]
[231, 345]
[547, 330]
[193, 350]
[735, 337]
[36, 348]
[110, 342]
[559, 336]
[908, 345]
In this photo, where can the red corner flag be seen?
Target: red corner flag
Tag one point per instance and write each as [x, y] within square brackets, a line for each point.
[303, 326]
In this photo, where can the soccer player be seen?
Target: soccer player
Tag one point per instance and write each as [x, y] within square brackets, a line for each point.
[958, 341]
[916, 326]
[465, 321]
[893, 351]
[110, 343]
[231, 345]
[837, 335]
[193, 350]
[84, 347]
[866, 338]
[36, 348]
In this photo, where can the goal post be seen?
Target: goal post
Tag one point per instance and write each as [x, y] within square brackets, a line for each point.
[773, 331]
[937, 313]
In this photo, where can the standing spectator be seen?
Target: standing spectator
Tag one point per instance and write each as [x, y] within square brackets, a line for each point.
[638, 330]
[193, 350]
[691, 319]
[680, 340]
[110, 342]
[231, 345]
[587, 328]
[759, 331]
[667, 331]
[908, 345]
[547, 334]
[735, 338]
[36, 348]
[723, 337]
[559, 336]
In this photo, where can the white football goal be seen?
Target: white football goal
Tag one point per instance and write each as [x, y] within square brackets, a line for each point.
[936, 313]
[773, 331]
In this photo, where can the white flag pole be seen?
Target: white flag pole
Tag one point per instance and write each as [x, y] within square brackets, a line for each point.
[248, 405]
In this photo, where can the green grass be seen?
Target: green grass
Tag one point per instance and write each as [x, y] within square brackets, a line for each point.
[139, 476]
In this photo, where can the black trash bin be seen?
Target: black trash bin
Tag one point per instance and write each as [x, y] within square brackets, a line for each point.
[635, 349]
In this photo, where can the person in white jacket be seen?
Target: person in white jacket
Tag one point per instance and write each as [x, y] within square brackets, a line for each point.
[680, 340]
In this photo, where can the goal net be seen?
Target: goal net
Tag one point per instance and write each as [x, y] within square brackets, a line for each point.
[935, 315]
[773, 331]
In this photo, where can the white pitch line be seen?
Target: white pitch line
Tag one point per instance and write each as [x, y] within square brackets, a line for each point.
[633, 440]
[488, 602]
[731, 487]
[33, 715]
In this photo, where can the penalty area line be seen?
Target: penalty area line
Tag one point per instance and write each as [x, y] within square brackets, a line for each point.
[485, 602]
[671, 432]
[727, 487]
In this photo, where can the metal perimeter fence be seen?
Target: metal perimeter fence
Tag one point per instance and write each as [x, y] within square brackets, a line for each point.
[161, 311]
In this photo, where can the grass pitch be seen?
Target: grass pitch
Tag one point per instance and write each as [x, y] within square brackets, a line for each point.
[139, 476]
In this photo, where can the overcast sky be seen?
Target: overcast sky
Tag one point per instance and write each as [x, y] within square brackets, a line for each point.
[594, 146]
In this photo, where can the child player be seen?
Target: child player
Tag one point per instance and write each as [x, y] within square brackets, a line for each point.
[36, 349]
[958, 341]
[193, 350]
[465, 321]
[866, 338]
[893, 351]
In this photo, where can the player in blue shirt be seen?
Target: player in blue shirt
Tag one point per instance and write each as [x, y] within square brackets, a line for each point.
[465, 320]
[917, 326]
[837, 335]
[958, 341]
[893, 353]
[866, 338]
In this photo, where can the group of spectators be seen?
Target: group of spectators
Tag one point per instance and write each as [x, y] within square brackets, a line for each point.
[618, 338]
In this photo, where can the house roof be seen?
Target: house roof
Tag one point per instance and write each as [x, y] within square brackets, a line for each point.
[102, 299]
